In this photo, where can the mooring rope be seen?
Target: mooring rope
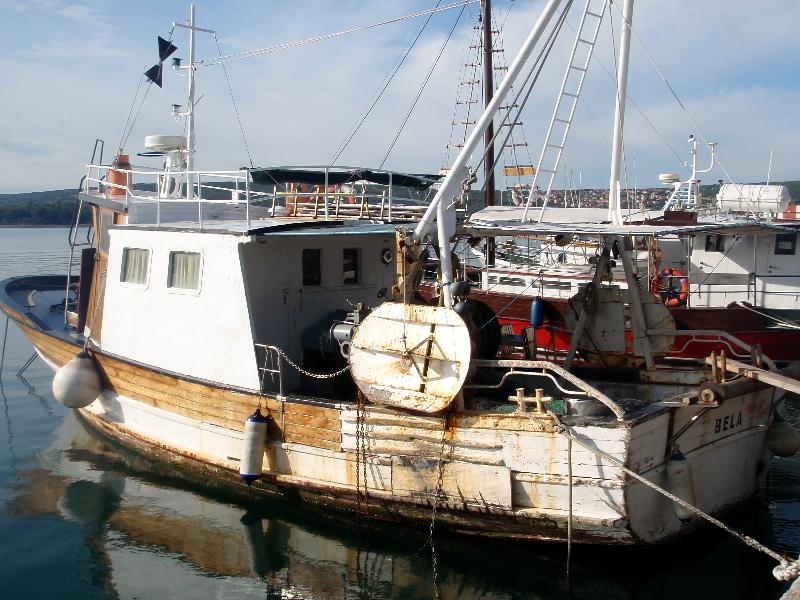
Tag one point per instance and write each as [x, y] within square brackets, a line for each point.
[786, 570]
[787, 324]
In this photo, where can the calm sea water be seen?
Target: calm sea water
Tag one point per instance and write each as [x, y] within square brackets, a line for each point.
[79, 518]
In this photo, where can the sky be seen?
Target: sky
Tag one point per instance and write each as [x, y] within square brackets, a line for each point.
[71, 70]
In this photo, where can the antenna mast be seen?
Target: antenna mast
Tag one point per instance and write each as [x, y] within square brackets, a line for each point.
[488, 92]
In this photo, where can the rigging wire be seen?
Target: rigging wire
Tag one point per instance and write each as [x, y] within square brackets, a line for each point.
[632, 103]
[327, 36]
[382, 86]
[532, 77]
[504, 63]
[138, 112]
[422, 87]
[130, 112]
[233, 100]
[677, 98]
[126, 133]
[462, 77]
[537, 67]
[508, 12]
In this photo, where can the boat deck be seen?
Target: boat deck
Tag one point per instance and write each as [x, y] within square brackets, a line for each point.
[39, 301]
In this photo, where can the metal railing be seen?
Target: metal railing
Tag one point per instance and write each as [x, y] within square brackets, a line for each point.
[235, 188]
[158, 187]
[713, 336]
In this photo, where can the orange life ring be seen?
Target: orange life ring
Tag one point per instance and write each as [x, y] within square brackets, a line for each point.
[675, 291]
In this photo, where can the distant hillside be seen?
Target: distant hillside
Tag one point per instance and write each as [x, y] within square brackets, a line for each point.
[39, 197]
[55, 207]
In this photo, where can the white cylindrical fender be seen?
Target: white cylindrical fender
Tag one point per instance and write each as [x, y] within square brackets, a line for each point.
[255, 441]
[783, 439]
[680, 483]
[77, 384]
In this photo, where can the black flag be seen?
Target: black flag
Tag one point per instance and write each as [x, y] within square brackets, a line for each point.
[154, 74]
[165, 49]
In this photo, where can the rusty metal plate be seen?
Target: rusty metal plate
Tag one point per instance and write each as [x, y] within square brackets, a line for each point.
[411, 356]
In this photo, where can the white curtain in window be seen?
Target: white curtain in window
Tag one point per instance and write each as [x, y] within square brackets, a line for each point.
[134, 265]
[184, 270]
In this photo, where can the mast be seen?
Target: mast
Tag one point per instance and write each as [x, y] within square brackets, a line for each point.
[488, 91]
[450, 185]
[190, 111]
[614, 207]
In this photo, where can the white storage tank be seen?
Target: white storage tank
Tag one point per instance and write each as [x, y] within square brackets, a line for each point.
[750, 198]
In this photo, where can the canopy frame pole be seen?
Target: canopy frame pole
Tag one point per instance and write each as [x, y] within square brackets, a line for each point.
[614, 205]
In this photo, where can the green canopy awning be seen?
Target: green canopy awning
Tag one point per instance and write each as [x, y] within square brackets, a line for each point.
[283, 175]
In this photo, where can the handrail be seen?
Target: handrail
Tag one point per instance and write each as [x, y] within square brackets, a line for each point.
[722, 336]
[545, 366]
[366, 203]
[273, 365]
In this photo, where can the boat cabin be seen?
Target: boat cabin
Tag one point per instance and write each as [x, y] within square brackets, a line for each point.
[266, 263]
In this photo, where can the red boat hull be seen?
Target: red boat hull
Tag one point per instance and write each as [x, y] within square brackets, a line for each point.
[780, 344]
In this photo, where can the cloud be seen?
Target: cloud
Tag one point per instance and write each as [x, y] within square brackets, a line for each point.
[72, 69]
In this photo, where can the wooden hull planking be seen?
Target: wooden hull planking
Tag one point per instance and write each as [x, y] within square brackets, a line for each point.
[501, 474]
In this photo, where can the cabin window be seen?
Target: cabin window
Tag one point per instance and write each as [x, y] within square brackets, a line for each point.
[715, 243]
[135, 262]
[350, 266]
[184, 270]
[312, 267]
[785, 243]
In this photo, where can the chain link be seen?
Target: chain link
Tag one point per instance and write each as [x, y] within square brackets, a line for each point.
[302, 371]
[361, 453]
[439, 491]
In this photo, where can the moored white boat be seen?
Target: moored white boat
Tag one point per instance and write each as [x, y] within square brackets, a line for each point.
[195, 311]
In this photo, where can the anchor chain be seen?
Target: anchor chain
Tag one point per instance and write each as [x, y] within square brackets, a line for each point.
[302, 371]
[361, 452]
[437, 493]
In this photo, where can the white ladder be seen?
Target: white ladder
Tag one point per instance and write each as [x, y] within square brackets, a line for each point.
[571, 87]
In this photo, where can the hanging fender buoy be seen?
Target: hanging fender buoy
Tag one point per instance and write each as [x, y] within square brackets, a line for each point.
[782, 439]
[673, 292]
[255, 442]
[681, 483]
[77, 384]
[537, 311]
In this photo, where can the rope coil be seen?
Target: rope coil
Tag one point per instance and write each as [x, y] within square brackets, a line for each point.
[787, 570]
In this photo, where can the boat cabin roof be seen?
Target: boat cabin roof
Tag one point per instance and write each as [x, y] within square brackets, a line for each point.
[277, 226]
[499, 220]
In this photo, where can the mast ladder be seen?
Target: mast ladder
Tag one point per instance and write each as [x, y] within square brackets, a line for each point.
[571, 86]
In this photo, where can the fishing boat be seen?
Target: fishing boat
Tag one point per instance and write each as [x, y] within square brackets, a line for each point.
[742, 278]
[273, 342]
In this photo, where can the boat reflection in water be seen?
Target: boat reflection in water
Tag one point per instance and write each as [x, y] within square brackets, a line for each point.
[149, 535]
